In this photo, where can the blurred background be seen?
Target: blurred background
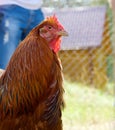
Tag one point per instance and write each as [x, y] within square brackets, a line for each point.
[88, 60]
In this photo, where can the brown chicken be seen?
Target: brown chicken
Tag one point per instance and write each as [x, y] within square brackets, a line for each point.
[31, 92]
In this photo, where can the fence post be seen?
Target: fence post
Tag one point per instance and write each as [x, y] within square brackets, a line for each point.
[112, 5]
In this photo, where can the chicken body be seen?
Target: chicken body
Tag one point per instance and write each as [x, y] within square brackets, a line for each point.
[31, 92]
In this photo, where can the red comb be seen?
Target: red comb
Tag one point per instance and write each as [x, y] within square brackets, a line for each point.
[53, 19]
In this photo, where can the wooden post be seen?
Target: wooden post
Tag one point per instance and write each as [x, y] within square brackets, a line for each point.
[112, 5]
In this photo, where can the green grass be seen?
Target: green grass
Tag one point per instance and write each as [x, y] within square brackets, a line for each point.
[86, 105]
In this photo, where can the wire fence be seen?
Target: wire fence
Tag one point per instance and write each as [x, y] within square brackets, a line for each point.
[91, 66]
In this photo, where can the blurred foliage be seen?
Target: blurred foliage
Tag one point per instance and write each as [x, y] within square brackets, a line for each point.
[72, 3]
[99, 2]
[110, 68]
[87, 105]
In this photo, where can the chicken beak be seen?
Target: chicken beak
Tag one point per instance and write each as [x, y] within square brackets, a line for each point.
[63, 33]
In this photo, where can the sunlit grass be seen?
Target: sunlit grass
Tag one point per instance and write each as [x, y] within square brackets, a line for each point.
[86, 105]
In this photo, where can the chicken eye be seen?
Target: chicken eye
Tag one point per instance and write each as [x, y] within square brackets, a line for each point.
[49, 27]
